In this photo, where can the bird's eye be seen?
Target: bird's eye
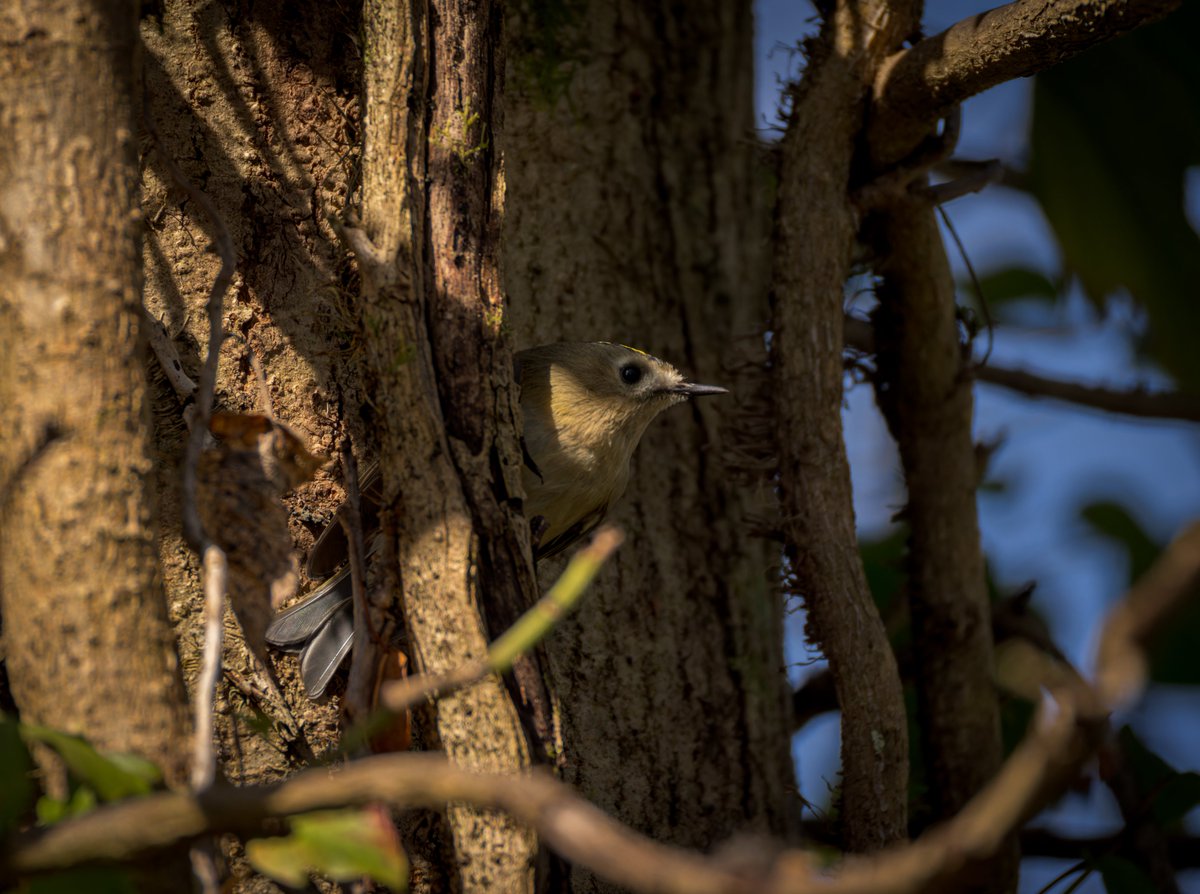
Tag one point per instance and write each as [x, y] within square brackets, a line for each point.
[631, 374]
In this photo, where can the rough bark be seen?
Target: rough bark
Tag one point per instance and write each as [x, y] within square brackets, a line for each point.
[86, 636]
[256, 107]
[816, 228]
[442, 385]
[927, 401]
[919, 85]
[635, 213]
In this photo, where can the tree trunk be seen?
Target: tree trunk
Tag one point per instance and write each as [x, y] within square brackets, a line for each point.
[814, 243]
[86, 636]
[442, 378]
[626, 218]
[630, 218]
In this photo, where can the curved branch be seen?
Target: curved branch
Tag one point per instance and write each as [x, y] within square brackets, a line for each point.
[928, 406]
[1063, 738]
[1017, 40]
[1183, 850]
[815, 233]
[1131, 402]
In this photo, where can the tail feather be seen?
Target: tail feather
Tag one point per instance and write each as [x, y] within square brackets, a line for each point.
[327, 649]
[321, 629]
[292, 628]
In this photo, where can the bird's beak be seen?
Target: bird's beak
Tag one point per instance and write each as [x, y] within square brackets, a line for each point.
[691, 390]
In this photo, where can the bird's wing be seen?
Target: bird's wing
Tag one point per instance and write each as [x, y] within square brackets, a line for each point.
[331, 548]
[327, 650]
[581, 528]
[293, 627]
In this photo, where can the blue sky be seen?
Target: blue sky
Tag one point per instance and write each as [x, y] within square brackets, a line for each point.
[1054, 460]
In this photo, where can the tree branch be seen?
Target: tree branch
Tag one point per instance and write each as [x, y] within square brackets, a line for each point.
[363, 660]
[1184, 850]
[1064, 737]
[204, 761]
[1131, 402]
[1142, 613]
[815, 232]
[520, 639]
[917, 86]
[928, 407]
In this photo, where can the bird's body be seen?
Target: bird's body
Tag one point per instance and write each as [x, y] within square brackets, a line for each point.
[585, 407]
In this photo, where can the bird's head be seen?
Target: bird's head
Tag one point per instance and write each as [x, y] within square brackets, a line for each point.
[599, 392]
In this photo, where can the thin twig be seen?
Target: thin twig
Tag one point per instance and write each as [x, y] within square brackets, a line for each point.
[817, 696]
[49, 433]
[1184, 850]
[193, 529]
[364, 657]
[1083, 877]
[168, 358]
[1012, 41]
[1143, 612]
[260, 378]
[204, 868]
[910, 175]
[204, 761]
[1131, 402]
[987, 174]
[521, 638]
[1062, 739]
[979, 296]
[204, 757]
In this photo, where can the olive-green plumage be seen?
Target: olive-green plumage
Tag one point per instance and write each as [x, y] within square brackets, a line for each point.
[585, 407]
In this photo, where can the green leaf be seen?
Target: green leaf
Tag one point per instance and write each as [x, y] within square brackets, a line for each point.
[17, 790]
[1169, 794]
[51, 810]
[1177, 798]
[1148, 769]
[1114, 131]
[1016, 283]
[342, 845]
[883, 561]
[1175, 649]
[1122, 877]
[113, 776]
[1113, 521]
[93, 881]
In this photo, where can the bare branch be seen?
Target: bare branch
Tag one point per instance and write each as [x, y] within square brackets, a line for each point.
[917, 86]
[1131, 402]
[520, 639]
[168, 358]
[573, 827]
[815, 233]
[816, 697]
[1064, 737]
[928, 406]
[193, 530]
[1153, 599]
[1183, 850]
[363, 658]
[1143, 833]
[976, 181]
[204, 757]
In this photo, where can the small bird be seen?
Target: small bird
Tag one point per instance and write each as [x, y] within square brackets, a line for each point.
[585, 407]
